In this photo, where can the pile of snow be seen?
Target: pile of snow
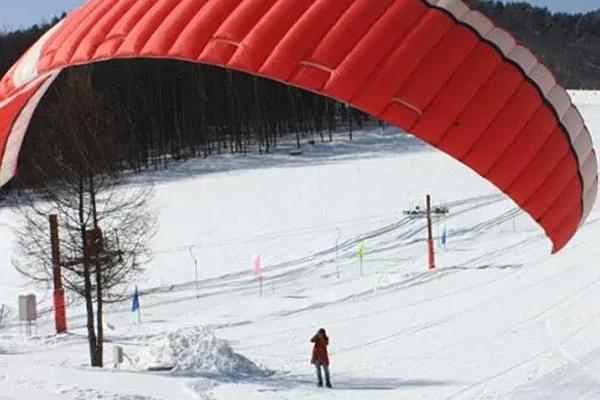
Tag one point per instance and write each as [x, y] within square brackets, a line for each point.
[7, 344]
[198, 351]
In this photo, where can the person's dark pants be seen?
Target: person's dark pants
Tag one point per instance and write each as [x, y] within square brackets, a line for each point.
[319, 366]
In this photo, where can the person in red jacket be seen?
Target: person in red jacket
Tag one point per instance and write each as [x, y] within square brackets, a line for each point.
[320, 358]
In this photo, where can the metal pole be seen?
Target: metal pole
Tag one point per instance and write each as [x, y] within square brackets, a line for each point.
[430, 248]
[195, 271]
[60, 314]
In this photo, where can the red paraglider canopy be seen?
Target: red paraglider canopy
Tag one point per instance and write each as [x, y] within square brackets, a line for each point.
[435, 68]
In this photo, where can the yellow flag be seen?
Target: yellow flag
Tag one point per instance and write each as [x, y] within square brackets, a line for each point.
[361, 250]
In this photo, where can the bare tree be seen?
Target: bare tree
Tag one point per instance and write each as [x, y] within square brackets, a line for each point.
[105, 222]
[5, 315]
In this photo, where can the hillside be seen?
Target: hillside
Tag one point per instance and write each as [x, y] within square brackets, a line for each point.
[498, 319]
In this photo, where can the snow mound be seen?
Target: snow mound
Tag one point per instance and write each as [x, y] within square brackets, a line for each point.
[197, 351]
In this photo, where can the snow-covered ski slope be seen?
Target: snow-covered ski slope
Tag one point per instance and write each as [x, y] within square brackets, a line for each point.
[498, 319]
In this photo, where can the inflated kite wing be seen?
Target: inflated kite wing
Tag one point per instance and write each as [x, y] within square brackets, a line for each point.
[435, 68]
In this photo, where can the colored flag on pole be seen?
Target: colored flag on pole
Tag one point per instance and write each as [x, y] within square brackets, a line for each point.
[444, 237]
[361, 251]
[256, 265]
[136, 301]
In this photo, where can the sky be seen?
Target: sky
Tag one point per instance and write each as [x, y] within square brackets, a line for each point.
[23, 13]
[17, 14]
[570, 6]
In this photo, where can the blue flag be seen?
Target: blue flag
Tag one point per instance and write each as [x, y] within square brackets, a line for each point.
[136, 301]
[444, 237]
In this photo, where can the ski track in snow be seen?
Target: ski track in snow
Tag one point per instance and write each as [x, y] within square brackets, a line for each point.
[498, 319]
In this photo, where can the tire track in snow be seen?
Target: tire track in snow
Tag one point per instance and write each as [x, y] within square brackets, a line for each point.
[509, 369]
[290, 271]
[541, 353]
[552, 307]
[412, 329]
[241, 282]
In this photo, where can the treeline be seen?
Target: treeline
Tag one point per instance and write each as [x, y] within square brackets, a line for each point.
[568, 43]
[171, 110]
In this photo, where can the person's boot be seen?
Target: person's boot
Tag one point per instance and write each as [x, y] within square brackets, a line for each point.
[328, 384]
[320, 384]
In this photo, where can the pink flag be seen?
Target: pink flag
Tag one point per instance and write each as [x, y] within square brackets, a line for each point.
[256, 265]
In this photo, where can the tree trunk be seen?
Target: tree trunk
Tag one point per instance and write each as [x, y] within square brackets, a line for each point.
[99, 318]
[99, 303]
[89, 305]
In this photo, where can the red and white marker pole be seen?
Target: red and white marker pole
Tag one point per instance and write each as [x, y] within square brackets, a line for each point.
[60, 309]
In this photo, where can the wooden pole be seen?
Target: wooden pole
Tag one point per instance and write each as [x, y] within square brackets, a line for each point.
[430, 248]
[60, 310]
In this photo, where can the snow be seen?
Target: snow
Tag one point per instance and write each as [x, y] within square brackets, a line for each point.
[195, 351]
[498, 319]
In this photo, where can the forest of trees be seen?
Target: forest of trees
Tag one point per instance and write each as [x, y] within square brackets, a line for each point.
[568, 44]
[170, 110]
